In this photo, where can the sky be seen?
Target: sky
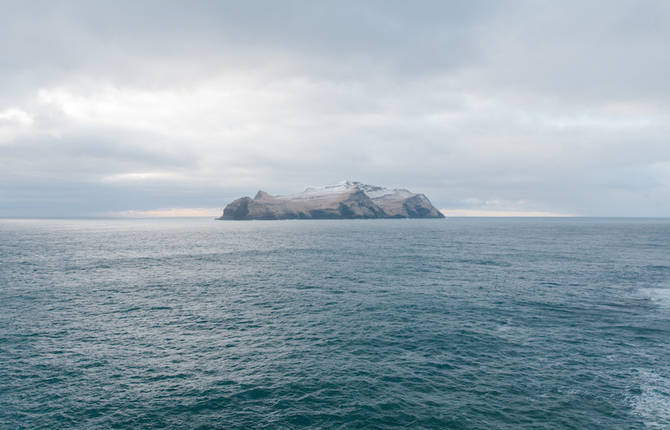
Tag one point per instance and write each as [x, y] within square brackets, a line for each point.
[164, 108]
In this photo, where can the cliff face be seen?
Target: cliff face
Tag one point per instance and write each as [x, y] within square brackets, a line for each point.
[347, 200]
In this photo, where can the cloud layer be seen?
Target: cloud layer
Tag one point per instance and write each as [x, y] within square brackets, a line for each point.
[513, 107]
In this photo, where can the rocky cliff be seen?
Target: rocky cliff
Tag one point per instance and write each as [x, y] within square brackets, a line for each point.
[346, 200]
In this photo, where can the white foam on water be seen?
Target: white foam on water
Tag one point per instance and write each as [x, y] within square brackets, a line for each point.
[660, 296]
[652, 405]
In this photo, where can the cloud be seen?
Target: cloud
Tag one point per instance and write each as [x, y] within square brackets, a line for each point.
[561, 106]
[15, 117]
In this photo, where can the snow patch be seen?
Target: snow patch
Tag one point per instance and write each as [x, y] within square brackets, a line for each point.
[372, 191]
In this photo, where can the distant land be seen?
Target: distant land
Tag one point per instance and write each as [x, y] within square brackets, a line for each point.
[345, 200]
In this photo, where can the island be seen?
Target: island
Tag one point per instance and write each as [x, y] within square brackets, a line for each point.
[345, 200]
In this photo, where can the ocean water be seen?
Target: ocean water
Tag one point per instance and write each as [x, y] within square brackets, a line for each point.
[456, 324]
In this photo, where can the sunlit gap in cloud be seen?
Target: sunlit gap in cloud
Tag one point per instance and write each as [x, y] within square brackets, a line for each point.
[500, 213]
[165, 213]
[215, 212]
[143, 177]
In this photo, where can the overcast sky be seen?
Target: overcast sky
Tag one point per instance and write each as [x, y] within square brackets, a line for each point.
[487, 107]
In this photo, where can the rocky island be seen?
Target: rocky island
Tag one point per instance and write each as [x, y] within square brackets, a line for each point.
[346, 200]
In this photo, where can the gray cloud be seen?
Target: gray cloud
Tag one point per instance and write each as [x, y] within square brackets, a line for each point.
[510, 106]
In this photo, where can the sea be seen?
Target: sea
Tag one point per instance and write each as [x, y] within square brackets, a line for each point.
[457, 323]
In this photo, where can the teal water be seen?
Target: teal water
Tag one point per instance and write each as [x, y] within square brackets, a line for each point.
[457, 323]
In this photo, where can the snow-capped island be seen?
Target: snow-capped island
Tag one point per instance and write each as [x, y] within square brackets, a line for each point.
[345, 200]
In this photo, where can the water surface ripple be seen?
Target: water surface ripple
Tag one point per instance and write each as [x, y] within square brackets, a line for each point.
[457, 323]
